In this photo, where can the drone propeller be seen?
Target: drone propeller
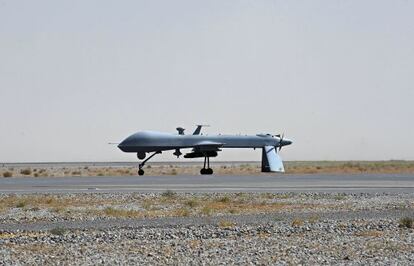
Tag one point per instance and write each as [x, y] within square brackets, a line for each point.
[281, 140]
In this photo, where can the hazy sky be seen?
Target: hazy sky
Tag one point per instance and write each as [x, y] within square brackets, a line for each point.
[336, 76]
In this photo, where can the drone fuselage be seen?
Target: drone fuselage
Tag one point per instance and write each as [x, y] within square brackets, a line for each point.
[204, 146]
[151, 141]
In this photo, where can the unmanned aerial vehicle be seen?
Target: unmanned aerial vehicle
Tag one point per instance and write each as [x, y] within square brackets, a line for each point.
[204, 146]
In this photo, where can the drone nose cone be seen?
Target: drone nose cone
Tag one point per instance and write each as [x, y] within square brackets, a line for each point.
[123, 146]
[286, 142]
[120, 146]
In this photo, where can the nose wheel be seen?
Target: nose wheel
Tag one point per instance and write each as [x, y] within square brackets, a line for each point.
[208, 170]
[141, 165]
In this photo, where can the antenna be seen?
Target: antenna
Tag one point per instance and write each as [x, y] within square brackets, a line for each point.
[180, 130]
[198, 129]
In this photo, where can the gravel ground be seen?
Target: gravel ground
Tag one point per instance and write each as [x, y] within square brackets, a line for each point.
[349, 229]
[94, 206]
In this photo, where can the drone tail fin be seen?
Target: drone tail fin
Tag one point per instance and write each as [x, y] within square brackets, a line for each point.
[271, 161]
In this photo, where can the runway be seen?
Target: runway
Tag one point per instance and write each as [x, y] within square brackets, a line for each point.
[370, 183]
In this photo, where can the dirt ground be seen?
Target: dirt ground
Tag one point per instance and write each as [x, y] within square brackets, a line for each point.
[249, 168]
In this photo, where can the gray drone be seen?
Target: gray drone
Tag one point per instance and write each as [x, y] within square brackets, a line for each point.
[204, 146]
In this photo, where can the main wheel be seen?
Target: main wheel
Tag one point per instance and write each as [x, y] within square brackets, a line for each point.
[203, 171]
[209, 171]
[141, 172]
[141, 155]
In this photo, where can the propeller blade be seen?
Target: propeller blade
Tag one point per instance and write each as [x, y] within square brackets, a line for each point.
[280, 141]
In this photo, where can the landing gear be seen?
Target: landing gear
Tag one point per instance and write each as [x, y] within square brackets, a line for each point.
[208, 170]
[141, 165]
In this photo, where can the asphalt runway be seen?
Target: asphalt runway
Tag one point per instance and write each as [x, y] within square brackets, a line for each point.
[370, 183]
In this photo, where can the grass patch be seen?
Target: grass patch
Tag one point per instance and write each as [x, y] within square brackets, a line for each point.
[370, 233]
[147, 205]
[183, 212]
[392, 166]
[224, 199]
[233, 211]
[313, 219]
[59, 209]
[21, 204]
[297, 222]
[50, 202]
[169, 194]
[26, 171]
[339, 197]
[246, 206]
[173, 172]
[7, 174]
[207, 211]
[112, 212]
[59, 231]
[406, 222]
[192, 203]
[226, 224]
[166, 204]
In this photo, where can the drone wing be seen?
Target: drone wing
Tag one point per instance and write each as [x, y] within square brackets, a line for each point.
[208, 146]
[204, 149]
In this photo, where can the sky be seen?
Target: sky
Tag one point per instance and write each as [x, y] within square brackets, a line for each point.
[337, 77]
